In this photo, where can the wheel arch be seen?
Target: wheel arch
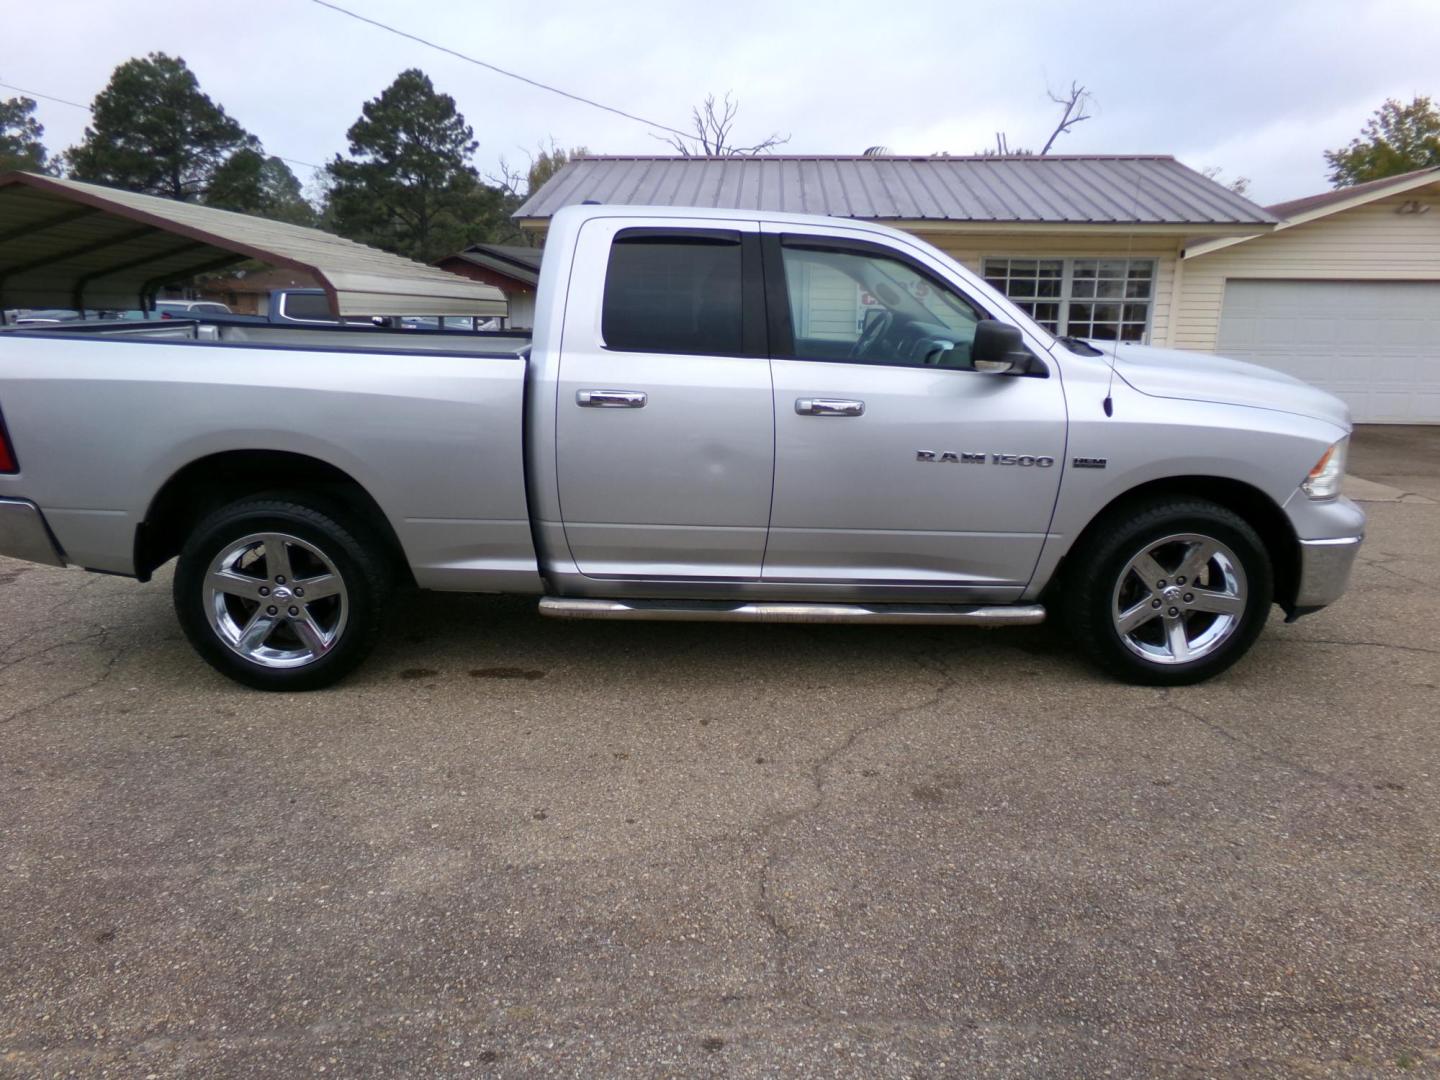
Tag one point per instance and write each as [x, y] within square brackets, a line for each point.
[207, 483]
[1262, 512]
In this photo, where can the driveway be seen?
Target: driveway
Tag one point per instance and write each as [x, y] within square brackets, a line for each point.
[516, 847]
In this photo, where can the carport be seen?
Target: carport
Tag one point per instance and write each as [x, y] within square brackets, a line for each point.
[73, 245]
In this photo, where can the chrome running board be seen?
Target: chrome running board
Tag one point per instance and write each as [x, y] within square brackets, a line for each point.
[728, 611]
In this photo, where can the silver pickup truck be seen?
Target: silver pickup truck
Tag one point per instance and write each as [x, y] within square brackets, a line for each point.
[722, 416]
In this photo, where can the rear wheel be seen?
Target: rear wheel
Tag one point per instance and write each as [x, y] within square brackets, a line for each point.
[281, 594]
[1169, 592]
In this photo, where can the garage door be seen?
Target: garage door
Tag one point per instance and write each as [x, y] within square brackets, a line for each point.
[1374, 343]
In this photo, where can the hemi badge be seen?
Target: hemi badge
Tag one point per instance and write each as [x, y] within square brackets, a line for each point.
[1088, 462]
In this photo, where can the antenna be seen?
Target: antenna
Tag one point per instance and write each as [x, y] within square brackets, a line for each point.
[1109, 403]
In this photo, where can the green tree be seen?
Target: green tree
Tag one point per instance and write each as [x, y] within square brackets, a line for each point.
[155, 131]
[409, 185]
[1396, 139]
[20, 135]
[252, 183]
[547, 163]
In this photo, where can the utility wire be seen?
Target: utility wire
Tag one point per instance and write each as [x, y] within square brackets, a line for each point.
[503, 71]
[87, 108]
[47, 97]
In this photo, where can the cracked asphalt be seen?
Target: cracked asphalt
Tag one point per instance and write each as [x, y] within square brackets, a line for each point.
[518, 847]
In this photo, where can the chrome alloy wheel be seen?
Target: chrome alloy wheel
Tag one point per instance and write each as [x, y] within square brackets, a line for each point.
[1179, 599]
[276, 600]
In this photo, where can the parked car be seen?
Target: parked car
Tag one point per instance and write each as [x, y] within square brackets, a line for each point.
[466, 323]
[169, 309]
[693, 434]
[46, 316]
[312, 306]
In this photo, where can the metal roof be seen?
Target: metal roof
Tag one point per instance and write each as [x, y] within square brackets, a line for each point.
[1092, 190]
[68, 244]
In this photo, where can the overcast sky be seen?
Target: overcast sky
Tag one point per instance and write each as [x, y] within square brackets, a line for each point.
[1258, 88]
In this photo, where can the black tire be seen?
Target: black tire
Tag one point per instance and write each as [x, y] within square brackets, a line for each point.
[359, 560]
[1097, 581]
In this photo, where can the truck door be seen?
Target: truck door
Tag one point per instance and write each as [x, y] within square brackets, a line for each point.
[898, 465]
[665, 432]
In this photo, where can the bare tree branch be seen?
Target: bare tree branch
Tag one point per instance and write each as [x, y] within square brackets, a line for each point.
[1240, 185]
[1073, 112]
[509, 180]
[714, 123]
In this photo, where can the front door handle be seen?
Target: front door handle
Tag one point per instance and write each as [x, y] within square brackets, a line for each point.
[829, 407]
[610, 399]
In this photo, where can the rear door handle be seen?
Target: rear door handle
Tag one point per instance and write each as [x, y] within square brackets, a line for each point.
[829, 407]
[610, 399]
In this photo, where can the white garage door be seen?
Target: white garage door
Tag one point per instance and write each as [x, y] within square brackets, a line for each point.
[1374, 343]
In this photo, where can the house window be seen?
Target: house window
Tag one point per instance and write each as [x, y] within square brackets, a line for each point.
[1088, 298]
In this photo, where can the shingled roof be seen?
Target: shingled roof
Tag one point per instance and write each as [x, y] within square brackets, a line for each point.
[1382, 186]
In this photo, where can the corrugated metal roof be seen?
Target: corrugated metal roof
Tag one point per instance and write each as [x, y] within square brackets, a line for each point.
[1048, 190]
[68, 244]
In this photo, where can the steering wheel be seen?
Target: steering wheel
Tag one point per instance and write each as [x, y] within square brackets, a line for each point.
[872, 334]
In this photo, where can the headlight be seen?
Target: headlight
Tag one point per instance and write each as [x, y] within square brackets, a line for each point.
[1325, 478]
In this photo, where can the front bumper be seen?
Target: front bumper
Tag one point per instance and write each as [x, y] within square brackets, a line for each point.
[1324, 571]
[24, 534]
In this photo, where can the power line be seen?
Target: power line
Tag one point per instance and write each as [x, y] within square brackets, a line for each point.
[47, 97]
[502, 71]
[89, 109]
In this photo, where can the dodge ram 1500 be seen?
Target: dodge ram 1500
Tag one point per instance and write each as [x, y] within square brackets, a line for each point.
[722, 416]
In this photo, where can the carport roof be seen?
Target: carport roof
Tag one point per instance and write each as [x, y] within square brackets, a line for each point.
[1153, 193]
[68, 244]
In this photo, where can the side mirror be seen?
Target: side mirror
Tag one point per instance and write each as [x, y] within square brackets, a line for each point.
[998, 348]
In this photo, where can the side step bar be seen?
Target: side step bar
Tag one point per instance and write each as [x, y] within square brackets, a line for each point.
[730, 611]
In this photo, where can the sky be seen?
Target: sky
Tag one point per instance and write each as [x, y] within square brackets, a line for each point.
[1257, 89]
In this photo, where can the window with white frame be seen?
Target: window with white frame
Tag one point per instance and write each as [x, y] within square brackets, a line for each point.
[1104, 299]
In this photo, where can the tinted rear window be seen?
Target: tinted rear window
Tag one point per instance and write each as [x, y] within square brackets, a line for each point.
[308, 306]
[674, 294]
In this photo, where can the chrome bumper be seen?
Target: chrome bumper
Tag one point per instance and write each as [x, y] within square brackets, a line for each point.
[1325, 570]
[24, 534]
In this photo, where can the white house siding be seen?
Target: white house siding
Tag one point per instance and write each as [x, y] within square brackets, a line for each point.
[972, 249]
[830, 308]
[1368, 243]
[522, 310]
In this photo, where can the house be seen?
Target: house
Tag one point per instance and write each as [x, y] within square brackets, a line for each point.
[1343, 293]
[512, 269]
[1067, 238]
[1139, 248]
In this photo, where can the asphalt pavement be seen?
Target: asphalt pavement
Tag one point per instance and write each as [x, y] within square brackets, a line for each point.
[511, 846]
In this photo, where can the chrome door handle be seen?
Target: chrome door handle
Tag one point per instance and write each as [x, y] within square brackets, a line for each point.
[829, 407]
[610, 399]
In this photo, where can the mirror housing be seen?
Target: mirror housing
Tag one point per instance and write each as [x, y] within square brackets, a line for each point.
[998, 348]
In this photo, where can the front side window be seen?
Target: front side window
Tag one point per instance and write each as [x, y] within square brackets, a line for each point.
[1104, 299]
[673, 293]
[869, 307]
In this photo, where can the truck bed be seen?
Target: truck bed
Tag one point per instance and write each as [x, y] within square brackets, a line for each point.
[105, 415]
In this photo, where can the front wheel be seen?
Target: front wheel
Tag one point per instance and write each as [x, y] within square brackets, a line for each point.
[279, 594]
[1169, 592]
